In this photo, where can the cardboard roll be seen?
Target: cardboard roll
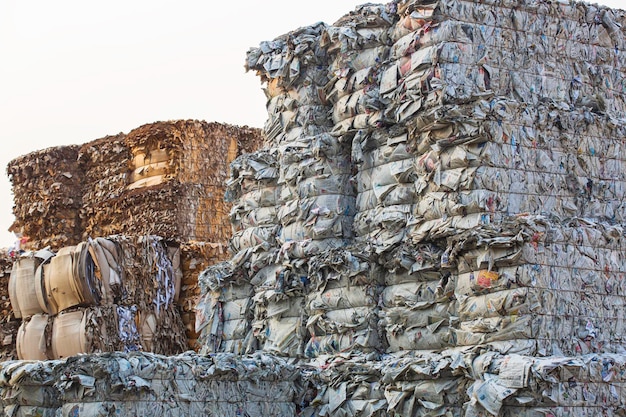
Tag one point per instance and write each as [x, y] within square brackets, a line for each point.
[69, 334]
[31, 339]
[25, 285]
[70, 279]
[150, 167]
[22, 290]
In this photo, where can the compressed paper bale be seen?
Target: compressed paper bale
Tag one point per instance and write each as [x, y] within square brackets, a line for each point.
[365, 339]
[224, 313]
[342, 304]
[493, 61]
[342, 297]
[384, 226]
[184, 146]
[252, 192]
[568, 395]
[283, 336]
[165, 210]
[389, 195]
[516, 381]
[223, 323]
[161, 178]
[254, 188]
[356, 47]
[308, 209]
[385, 174]
[47, 187]
[321, 205]
[254, 236]
[279, 54]
[324, 226]
[419, 338]
[149, 285]
[412, 294]
[553, 335]
[285, 66]
[236, 309]
[343, 320]
[263, 216]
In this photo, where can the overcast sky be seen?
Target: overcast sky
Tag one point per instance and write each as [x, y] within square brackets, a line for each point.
[73, 71]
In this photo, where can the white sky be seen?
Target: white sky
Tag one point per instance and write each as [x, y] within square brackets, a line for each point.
[72, 71]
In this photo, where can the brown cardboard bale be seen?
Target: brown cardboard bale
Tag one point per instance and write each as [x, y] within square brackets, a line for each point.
[164, 178]
[47, 189]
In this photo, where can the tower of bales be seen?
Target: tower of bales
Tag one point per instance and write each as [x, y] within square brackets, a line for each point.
[115, 232]
[436, 220]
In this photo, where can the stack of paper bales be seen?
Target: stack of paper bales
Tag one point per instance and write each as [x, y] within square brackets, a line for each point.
[473, 155]
[165, 178]
[162, 179]
[107, 294]
[342, 303]
[315, 201]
